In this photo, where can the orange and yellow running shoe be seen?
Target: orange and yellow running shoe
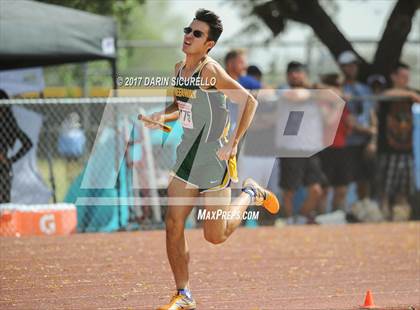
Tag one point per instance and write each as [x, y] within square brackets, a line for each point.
[263, 196]
[179, 302]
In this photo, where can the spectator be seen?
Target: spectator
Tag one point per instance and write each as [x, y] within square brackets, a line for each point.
[296, 75]
[334, 158]
[255, 72]
[9, 133]
[377, 83]
[297, 172]
[236, 65]
[71, 143]
[395, 146]
[252, 79]
[361, 146]
[256, 160]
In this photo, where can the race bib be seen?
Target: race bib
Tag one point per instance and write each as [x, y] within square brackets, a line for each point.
[185, 114]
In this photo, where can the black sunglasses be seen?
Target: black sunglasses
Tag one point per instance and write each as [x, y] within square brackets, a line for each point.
[196, 33]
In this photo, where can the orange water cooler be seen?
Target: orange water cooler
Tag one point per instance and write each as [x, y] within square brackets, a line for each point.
[37, 220]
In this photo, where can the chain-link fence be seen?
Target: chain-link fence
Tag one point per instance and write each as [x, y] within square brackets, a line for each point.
[94, 155]
[82, 151]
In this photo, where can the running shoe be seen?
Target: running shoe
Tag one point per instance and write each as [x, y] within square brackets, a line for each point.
[179, 302]
[263, 196]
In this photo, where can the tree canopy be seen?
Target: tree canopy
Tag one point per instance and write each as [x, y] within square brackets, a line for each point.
[120, 9]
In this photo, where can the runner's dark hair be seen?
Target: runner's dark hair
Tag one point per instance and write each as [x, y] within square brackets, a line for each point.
[213, 21]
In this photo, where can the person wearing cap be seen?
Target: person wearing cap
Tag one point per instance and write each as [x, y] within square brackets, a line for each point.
[361, 142]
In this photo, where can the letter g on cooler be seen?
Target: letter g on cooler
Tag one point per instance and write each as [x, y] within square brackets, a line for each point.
[47, 224]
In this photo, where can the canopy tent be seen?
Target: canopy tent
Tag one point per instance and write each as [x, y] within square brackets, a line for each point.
[35, 34]
[38, 34]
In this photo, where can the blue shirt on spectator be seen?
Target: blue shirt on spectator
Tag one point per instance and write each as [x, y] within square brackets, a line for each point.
[249, 82]
[360, 110]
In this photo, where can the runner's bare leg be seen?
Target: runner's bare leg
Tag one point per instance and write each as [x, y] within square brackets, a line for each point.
[217, 231]
[176, 243]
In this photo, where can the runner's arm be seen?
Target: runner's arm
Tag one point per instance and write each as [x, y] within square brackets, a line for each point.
[237, 94]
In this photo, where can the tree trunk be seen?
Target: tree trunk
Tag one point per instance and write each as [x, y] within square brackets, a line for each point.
[395, 35]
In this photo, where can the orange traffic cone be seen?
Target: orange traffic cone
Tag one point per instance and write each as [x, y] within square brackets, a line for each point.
[369, 304]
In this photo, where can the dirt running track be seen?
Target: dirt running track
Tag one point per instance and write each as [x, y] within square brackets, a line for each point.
[265, 268]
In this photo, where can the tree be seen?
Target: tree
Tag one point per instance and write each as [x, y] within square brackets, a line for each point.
[119, 9]
[275, 14]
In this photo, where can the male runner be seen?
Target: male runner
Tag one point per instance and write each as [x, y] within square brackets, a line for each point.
[205, 157]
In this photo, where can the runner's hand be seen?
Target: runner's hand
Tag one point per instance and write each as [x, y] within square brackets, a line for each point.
[227, 151]
[159, 117]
